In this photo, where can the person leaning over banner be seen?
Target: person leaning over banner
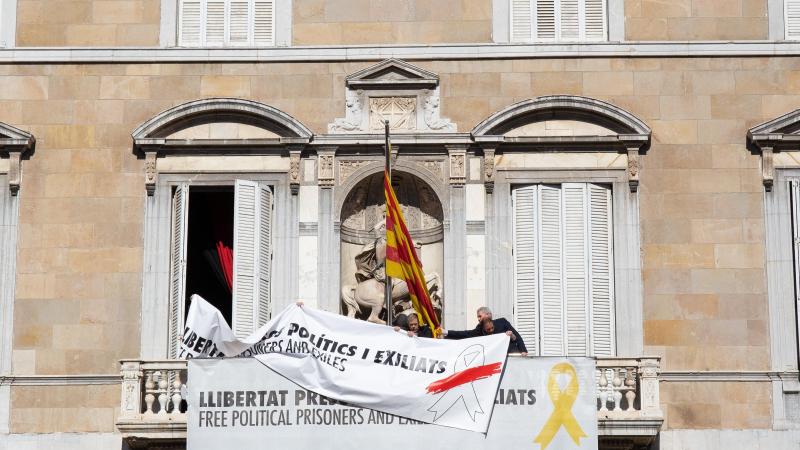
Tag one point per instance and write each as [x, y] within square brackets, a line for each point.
[483, 314]
[497, 326]
[413, 328]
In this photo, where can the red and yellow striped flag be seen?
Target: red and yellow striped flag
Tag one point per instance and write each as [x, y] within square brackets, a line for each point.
[402, 261]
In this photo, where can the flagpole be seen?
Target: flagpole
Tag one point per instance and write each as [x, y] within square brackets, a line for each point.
[387, 291]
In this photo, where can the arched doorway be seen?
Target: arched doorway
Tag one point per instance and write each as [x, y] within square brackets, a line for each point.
[362, 217]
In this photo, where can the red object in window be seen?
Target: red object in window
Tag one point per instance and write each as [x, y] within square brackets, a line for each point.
[226, 262]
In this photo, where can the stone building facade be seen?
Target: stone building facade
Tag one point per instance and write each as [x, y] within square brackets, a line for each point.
[673, 126]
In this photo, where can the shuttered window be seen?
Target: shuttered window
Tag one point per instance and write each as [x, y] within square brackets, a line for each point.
[563, 274]
[252, 258]
[558, 20]
[218, 23]
[792, 18]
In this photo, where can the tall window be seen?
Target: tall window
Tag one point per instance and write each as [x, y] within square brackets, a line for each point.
[223, 23]
[563, 274]
[558, 20]
[792, 18]
[206, 220]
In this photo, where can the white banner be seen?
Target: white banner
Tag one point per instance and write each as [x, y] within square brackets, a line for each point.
[239, 403]
[450, 383]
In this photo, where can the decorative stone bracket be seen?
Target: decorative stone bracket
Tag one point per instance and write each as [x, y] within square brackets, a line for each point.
[634, 145]
[15, 147]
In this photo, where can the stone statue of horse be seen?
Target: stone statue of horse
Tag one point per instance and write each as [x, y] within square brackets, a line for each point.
[369, 294]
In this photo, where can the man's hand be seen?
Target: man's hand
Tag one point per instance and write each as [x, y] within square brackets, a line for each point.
[524, 354]
[299, 303]
[511, 335]
[396, 328]
[411, 334]
[443, 333]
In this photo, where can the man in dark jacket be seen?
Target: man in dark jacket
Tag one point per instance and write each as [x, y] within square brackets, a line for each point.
[497, 326]
[483, 314]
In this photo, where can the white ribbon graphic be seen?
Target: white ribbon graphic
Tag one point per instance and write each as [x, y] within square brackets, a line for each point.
[472, 356]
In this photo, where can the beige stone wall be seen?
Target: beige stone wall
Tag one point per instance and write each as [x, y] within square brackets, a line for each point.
[82, 199]
[695, 20]
[88, 23]
[333, 22]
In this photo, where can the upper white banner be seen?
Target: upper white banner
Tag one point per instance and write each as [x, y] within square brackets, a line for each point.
[445, 382]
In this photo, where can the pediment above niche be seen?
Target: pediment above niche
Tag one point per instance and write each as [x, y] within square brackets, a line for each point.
[405, 95]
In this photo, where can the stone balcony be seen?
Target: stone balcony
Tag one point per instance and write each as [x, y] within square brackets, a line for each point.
[153, 410]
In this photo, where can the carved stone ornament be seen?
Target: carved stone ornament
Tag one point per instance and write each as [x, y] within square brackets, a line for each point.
[150, 173]
[458, 169]
[405, 95]
[325, 169]
[488, 170]
[633, 168]
[346, 168]
[436, 167]
[294, 171]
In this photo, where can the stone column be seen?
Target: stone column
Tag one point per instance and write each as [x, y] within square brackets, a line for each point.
[455, 241]
[328, 245]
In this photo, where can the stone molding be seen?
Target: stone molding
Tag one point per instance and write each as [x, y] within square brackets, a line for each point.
[150, 138]
[779, 134]
[400, 85]
[632, 135]
[14, 143]
[417, 52]
[60, 380]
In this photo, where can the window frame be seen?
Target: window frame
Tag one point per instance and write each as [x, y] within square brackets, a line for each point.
[156, 302]
[501, 23]
[628, 294]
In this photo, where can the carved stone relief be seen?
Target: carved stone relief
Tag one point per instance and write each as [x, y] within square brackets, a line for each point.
[346, 168]
[436, 167]
[407, 97]
[399, 111]
[325, 170]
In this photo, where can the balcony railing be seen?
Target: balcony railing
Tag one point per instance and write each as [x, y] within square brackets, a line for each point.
[153, 409]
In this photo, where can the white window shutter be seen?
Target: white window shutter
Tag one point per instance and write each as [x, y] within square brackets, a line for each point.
[177, 269]
[575, 268]
[264, 22]
[550, 258]
[545, 20]
[526, 277]
[568, 14]
[601, 271]
[594, 20]
[521, 20]
[251, 254]
[239, 23]
[263, 296]
[215, 19]
[190, 23]
[792, 18]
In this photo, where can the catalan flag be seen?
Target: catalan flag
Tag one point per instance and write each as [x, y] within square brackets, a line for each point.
[402, 261]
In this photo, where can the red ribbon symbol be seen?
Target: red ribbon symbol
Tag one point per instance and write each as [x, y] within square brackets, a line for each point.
[469, 367]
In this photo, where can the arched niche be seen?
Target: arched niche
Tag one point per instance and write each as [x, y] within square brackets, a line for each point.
[563, 123]
[360, 217]
[220, 126]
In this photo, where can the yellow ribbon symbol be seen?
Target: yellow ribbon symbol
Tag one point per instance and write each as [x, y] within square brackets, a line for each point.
[562, 401]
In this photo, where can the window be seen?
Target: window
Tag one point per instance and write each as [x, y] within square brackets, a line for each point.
[206, 220]
[792, 17]
[558, 20]
[563, 274]
[226, 23]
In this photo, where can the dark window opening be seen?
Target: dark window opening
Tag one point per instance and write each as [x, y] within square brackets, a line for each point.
[209, 252]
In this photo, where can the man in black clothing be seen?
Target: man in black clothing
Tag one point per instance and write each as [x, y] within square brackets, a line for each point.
[497, 326]
[500, 325]
[413, 327]
[483, 314]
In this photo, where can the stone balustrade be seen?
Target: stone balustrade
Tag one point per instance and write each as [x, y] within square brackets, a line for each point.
[153, 407]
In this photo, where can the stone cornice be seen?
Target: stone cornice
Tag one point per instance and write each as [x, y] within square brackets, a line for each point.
[409, 52]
